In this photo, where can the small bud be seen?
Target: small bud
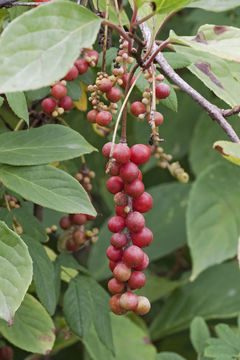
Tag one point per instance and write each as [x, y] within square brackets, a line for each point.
[48, 230]
[54, 228]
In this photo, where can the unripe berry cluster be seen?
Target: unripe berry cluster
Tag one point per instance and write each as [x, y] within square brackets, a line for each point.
[13, 203]
[130, 234]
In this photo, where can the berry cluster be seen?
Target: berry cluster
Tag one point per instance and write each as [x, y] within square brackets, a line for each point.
[59, 102]
[13, 203]
[128, 260]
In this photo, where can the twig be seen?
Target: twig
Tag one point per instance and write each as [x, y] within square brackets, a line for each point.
[118, 14]
[105, 38]
[19, 125]
[165, 21]
[117, 29]
[154, 54]
[229, 112]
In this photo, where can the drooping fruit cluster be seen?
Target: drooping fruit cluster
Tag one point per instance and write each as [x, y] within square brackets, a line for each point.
[130, 235]
[60, 102]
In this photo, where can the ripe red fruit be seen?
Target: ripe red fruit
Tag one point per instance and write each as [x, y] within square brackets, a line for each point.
[71, 245]
[115, 286]
[116, 224]
[142, 238]
[6, 353]
[114, 254]
[137, 280]
[103, 118]
[140, 154]
[134, 189]
[79, 219]
[144, 306]
[93, 53]
[135, 221]
[120, 210]
[66, 103]
[115, 168]
[140, 177]
[162, 91]
[91, 116]
[144, 263]
[133, 256]
[143, 203]
[129, 301]
[137, 108]
[48, 105]
[105, 85]
[82, 66]
[79, 237]
[118, 240]
[65, 223]
[121, 153]
[72, 74]
[106, 149]
[120, 199]
[58, 91]
[114, 184]
[114, 95]
[158, 118]
[115, 306]
[112, 265]
[125, 80]
[129, 172]
[91, 217]
[121, 272]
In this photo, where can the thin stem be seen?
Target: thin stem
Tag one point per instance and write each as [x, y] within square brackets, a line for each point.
[153, 106]
[7, 203]
[117, 29]
[118, 14]
[83, 159]
[134, 15]
[154, 54]
[235, 110]
[19, 125]
[165, 21]
[105, 38]
[143, 20]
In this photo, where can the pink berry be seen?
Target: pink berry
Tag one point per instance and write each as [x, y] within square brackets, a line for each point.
[129, 301]
[118, 240]
[134, 189]
[112, 265]
[121, 153]
[120, 199]
[142, 238]
[82, 66]
[94, 54]
[59, 91]
[115, 168]
[79, 237]
[137, 108]
[135, 221]
[114, 254]
[143, 203]
[125, 80]
[116, 224]
[129, 172]
[140, 177]
[140, 154]
[114, 95]
[105, 85]
[144, 263]
[137, 280]
[106, 149]
[66, 103]
[133, 256]
[72, 74]
[122, 272]
[103, 118]
[71, 245]
[91, 116]
[120, 210]
[162, 91]
[114, 184]
[65, 223]
[79, 219]
[48, 105]
[158, 118]
[143, 307]
[115, 306]
[115, 286]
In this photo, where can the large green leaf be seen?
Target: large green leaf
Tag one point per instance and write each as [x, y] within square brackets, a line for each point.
[229, 150]
[212, 223]
[168, 356]
[165, 6]
[47, 186]
[42, 145]
[214, 5]
[204, 297]
[33, 329]
[17, 102]
[41, 45]
[15, 272]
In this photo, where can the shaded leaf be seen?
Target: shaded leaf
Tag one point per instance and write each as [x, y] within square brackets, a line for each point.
[229, 150]
[199, 334]
[214, 5]
[18, 104]
[168, 356]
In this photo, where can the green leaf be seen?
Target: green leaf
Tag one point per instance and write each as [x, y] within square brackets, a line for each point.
[199, 334]
[27, 63]
[43, 274]
[214, 5]
[168, 356]
[18, 104]
[204, 297]
[37, 94]
[33, 329]
[47, 186]
[212, 225]
[1, 100]
[42, 145]
[74, 89]
[228, 336]
[177, 61]
[229, 150]
[113, 17]
[15, 272]
[165, 6]
[68, 261]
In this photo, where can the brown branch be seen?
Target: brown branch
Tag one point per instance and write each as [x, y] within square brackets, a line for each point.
[117, 29]
[229, 112]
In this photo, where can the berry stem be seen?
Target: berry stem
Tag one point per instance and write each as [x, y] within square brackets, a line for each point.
[160, 48]
[19, 125]
[118, 14]
[105, 38]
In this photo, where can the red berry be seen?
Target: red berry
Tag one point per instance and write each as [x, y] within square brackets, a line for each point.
[115, 286]
[114, 254]
[135, 188]
[143, 307]
[121, 272]
[125, 80]
[129, 172]
[82, 66]
[120, 199]
[121, 153]
[66, 103]
[116, 224]
[137, 108]
[120, 210]
[103, 118]
[114, 184]
[93, 53]
[106, 149]
[59, 91]
[71, 245]
[91, 116]
[115, 168]
[105, 85]
[79, 237]
[158, 118]
[91, 218]
[48, 105]
[133, 256]
[79, 219]
[6, 352]
[114, 95]
[144, 263]
[140, 154]
[115, 306]
[162, 91]
[65, 223]
[112, 265]
[142, 238]
[129, 301]
[118, 240]
[143, 203]
[140, 177]
[137, 280]
[72, 74]
[135, 221]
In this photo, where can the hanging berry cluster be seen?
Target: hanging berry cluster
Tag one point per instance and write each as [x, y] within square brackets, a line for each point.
[60, 102]
[130, 235]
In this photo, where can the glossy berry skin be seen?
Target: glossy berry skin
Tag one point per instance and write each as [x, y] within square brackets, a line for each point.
[142, 238]
[135, 221]
[114, 254]
[134, 189]
[59, 91]
[144, 263]
[6, 353]
[158, 118]
[115, 286]
[115, 306]
[114, 95]
[71, 245]
[118, 240]
[48, 105]
[106, 149]
[72, 74]
[125, 80]
[112, 265]
[79, 219]
[120, 199]
[144, 306]
[162, 91]
[103, 118]
[115, 168]
[143, 203]
[137, 108]
[140, 154]
[114, 184]
[82, 66]
[122, 153]
[66, 103]
[65, 223]
[129, 301]
[133, 256]
[129, 172]
[116, 224]
[122, 272]
[91, 116]
[137, 280]
[120, 210]
[105, 85]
